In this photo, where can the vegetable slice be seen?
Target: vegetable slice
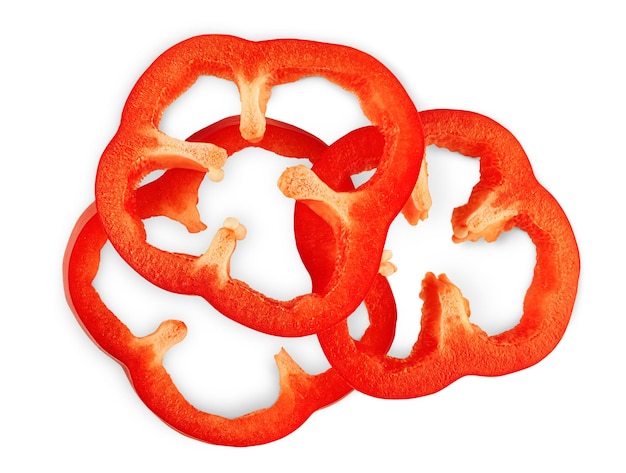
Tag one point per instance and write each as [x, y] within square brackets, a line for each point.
[449, 346]
[301, 394]
[139, 148]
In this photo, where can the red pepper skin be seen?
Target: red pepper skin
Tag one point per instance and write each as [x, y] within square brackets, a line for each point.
[139, 148]
[449, 346]
[301, 394]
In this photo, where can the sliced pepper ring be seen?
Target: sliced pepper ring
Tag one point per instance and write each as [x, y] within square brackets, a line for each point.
[300, 394]
[139, 148]
[449, 346]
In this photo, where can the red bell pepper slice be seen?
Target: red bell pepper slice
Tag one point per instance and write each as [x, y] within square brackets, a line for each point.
[139, 148]
[449, 346]
[175, 194]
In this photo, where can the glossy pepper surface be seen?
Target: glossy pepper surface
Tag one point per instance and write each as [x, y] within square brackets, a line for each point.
[175, 194]
[449, 346]
[139, 147]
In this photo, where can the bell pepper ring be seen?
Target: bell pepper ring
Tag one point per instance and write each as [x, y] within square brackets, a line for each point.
[139, 147]
[301, 394]
[449, 346]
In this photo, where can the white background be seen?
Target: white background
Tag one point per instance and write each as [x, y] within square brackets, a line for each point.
[552, 72]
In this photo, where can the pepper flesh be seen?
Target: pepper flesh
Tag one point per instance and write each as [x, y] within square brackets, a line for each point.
[449, 346]
[175, 195]
[139, 148]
